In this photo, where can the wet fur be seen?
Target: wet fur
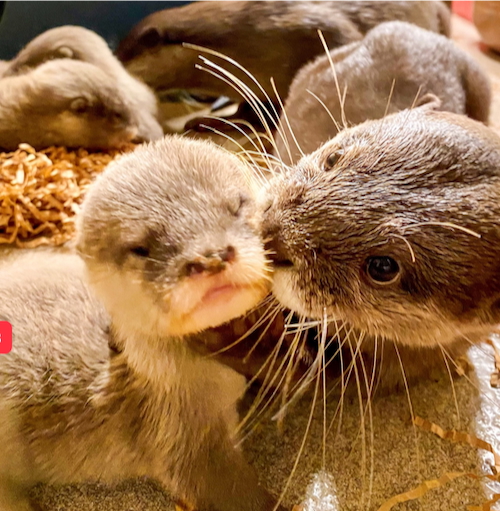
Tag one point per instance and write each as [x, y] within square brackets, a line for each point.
[79, 43]
[39, 108]
[92, 396]
[418, 61]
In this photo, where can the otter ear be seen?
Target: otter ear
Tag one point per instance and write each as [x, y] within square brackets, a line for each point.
[149, 37]
[429, 102]
[64, 52]
[79, 105]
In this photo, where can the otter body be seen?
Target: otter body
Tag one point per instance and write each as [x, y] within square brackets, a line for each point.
[78, 43]
[63, 102]
[269, 39]
[417, 61]
[391, 228]
[104, 387]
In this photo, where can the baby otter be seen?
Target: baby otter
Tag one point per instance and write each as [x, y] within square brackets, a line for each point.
[417, 61]
[170, 246]
[64, 102]
[392, 227]
[269, 39]
[78, 43]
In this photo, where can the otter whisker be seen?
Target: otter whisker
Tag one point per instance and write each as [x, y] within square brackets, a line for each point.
[281, 130]
[308, 426]
[410, 248]
[238, 66]
[272, 310]
[335, 77]
[444, 224]
[410, 406]
[263, 391]
[417, 95]
[247, 94]
[362, 430]
[455, 400]
[257, 105]
[322, 103]
[260, 177]
[390, 97]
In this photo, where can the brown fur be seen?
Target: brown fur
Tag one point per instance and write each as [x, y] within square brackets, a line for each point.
[418, 61]
[63, 102]
[79, 43]
[392, 180]
[269, 39]
[154, 234]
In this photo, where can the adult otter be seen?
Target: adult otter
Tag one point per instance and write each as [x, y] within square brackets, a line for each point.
[269, 39]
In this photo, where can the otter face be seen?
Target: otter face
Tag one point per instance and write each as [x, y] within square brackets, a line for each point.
[170, 241]
[393, 226]
[77, 106]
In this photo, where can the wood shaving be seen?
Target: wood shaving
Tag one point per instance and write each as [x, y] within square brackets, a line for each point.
[41, 191]
[454, 436]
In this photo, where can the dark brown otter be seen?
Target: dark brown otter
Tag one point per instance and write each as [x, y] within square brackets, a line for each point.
[392, 228]
[270, 39]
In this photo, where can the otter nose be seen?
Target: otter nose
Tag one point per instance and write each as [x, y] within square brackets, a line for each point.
[211, 262]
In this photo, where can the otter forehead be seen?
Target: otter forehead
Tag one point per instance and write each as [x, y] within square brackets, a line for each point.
[172, 188]
[61, 42]
[412, 150]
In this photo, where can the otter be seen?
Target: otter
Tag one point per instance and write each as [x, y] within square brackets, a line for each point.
[269, 39]
[64, 102]
[396, 53]
[392, 228]
[79, 43]
[100, 383]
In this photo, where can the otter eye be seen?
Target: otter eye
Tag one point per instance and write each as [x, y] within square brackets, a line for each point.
[140, 251]
[383, 269]
[237, 206]
[79, 105]
[332, 159]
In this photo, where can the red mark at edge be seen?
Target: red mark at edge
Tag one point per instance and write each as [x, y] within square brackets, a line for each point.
[5, 337]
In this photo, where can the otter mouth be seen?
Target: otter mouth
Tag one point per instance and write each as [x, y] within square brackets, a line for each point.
[220, 292]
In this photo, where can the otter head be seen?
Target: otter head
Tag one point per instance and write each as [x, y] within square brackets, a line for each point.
[393, 226]
[169, 236]
[66, 42]
[74, 104]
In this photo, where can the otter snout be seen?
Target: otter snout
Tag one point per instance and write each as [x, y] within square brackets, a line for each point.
[211, 262]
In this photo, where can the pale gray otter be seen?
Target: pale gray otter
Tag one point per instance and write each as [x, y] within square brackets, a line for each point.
[417, 61]
[269, 39]
[170, 245]
[392, 227]
[79, 43]
[64, 102]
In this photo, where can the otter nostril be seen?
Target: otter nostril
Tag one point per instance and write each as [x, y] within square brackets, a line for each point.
[278, 252]
[195, 268]
[228, 255]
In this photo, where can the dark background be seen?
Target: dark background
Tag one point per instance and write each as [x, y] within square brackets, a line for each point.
[22, 21]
